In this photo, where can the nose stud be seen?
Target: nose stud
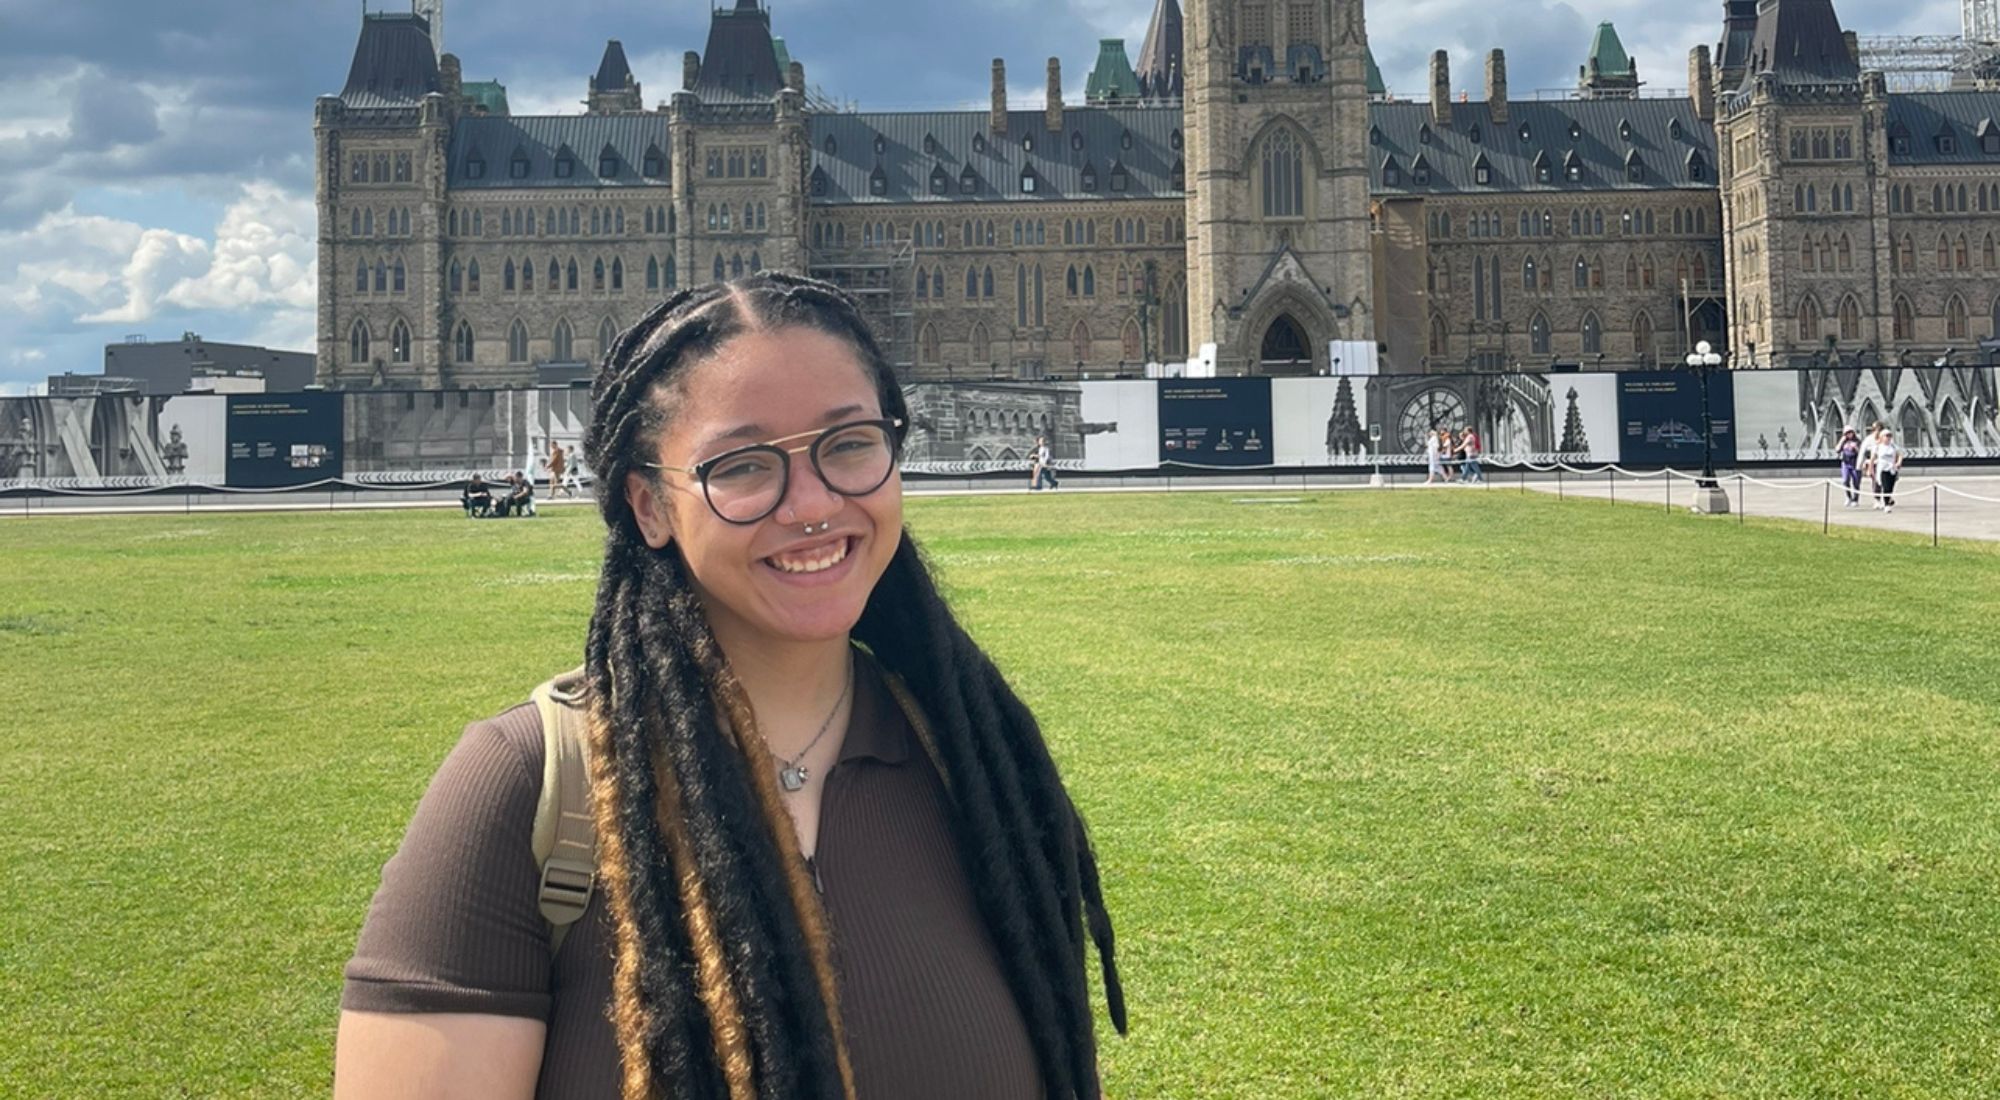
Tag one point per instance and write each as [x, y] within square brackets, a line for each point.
[826, 526]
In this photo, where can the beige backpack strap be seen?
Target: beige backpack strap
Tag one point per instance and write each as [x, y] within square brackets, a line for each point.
[565, 836]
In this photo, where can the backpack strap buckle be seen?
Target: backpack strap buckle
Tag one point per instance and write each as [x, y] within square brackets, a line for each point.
[566, 888]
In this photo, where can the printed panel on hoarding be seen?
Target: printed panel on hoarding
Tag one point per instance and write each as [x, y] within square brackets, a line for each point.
[281, 440]
[1215, 422]
[1662, 416]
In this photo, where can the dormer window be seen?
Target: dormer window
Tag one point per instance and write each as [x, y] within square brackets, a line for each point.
[1125, 140]
[1947, 143]
[1424, 135]
[475, 168]
[1573, 167]
[1027, 143]
[1420, 172]
[607, 164]
[930, 146]
[1526, 132]
[1674, 129]
[1174, 141]
[1575, 131]
[1178, 175]
[655, 164]
[1119, 180]
[881, 145]
[1028, 181]
[1374, 135]
[1089, 177]
[1475, 134]
[1624, 131]
[1899, 140]
[1544, 173]
[878, 182]
[831, 146]
[565, 165]
[968, 181]
[979, 143]
[1392, 175]
[1990, 144]
[818, 185]
[1697, 167]
[940, 181]
[1482, 173]
[518, 167]
[1076, 140]
[1635, 169]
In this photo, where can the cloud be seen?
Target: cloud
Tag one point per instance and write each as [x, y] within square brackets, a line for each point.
[161, 259]
[265, 253]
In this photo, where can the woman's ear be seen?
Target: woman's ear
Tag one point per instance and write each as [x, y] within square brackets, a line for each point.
[647, 498]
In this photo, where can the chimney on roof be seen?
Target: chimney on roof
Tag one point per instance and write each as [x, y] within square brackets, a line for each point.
[1496, 85]
[998, 121]
[1701, 83]
[1853, 42]
[690, 70]
[1441, 88]
[451, 78]
[1055, 103]
[795, 77]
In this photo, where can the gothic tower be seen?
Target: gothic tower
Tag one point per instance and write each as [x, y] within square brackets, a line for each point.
[1279, 246]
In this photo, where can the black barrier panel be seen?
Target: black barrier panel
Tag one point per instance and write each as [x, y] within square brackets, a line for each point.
[277, 440]
[1660, 417]
[1215, 422]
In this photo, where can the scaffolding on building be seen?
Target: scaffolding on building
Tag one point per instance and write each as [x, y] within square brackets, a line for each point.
[882, 278]
[1936, 62]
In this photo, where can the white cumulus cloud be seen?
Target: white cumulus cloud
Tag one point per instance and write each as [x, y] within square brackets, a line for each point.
[264, 254]
[161, 260]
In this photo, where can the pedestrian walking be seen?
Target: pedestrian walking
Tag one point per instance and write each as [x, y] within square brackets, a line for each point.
[1888, 467]
[572, 480]
[1434, 456]
[555, 463]
[1043, 470]
[1869, 442]
[1849, 450]
[1468, 449]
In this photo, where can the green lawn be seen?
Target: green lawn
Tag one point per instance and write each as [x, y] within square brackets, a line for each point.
[1408, 794]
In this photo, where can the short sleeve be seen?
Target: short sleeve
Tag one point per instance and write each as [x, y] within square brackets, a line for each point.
[456, 925]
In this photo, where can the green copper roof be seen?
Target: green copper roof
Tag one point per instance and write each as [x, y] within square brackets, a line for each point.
[1375, 85]
[490, 95]
[1608, 53]
[1113, 78]
[784, 55]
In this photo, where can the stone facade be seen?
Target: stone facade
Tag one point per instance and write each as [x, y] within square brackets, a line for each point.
[1262, 196]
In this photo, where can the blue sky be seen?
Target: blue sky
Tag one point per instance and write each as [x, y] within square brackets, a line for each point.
[156, 159]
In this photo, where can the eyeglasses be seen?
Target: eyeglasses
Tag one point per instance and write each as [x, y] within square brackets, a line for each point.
[745, 485]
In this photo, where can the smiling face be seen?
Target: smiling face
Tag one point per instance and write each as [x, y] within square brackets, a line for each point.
[771, 581]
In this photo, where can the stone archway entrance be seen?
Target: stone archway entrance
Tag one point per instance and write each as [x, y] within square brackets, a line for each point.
[1284, 348]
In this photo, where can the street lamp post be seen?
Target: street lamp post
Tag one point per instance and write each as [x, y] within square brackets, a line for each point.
[1709, 499]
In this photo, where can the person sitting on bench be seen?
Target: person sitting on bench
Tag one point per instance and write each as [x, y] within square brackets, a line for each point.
[477, 498]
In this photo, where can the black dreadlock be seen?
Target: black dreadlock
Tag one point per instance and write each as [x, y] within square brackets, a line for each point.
[724, 983]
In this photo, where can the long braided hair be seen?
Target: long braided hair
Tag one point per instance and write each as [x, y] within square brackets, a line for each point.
[723, 983]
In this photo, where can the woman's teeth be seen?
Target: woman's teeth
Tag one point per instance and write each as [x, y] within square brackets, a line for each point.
[812, 562]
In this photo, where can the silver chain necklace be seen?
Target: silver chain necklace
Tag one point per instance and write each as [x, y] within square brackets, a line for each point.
[791, 774]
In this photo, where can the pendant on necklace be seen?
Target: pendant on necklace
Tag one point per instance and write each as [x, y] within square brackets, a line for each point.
[793, 777]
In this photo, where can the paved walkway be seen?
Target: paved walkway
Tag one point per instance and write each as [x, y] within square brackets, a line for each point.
[1812, 500]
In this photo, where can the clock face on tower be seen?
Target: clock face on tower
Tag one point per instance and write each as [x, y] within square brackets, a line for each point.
[1428, 409]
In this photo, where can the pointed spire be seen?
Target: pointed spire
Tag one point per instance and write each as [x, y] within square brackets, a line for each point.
[613, 71]
[614, 90]
[1112, 80]
[1800, 42]
[1160, 59]
[394, 62]
[1377, 88]
[1609, 72]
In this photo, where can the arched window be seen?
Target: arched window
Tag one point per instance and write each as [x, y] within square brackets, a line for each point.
[507, 276]
[1906, 255]
[1089, 281]
[1593, 335]
[527, 276]
[399, 343]
[461, 343]
[1850, 318]
[1808, 321]
[937, 282]
[563, 345]
[1581, 275]
[361, 277]
[971, 283]
[986, 282]
[1283, 175]
[1905, 324]
[668, 279]
[721, 268]
[517, 343]
[472, 277]
[455, 277]
[357, 343]
[1961, 254]
[617, 275]
[1844, 252]
[597, 276]
[398, 278]
[1174, 321]
[1806, 254]
[1130, 346]
[1079, 342]
[1954, 318]
[981, 346]
[1528, 274]
[736, 265]
[652, 273]
[1538, 334]
[929, 352]
[1070, 281]
[1440, 337]
[1987, 256]
[923, 284]
[1642, 337]
[569, 282]
[1944, 254]
[607, 334]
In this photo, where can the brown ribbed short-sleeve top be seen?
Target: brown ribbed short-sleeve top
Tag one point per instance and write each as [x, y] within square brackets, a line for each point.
[455, 926]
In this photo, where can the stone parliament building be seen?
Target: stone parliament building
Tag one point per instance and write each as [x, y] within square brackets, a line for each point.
[1246, 192]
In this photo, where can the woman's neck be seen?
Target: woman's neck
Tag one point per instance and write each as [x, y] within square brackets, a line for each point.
[792, 686]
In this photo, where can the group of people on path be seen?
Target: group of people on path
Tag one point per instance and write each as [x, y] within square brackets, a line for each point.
[1453, 457]
[1042, 473]
[561, 465]
[1874, 456]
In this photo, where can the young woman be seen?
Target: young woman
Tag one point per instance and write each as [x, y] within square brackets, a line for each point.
[1888, 467]
[834, 857]
[1849, 450]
